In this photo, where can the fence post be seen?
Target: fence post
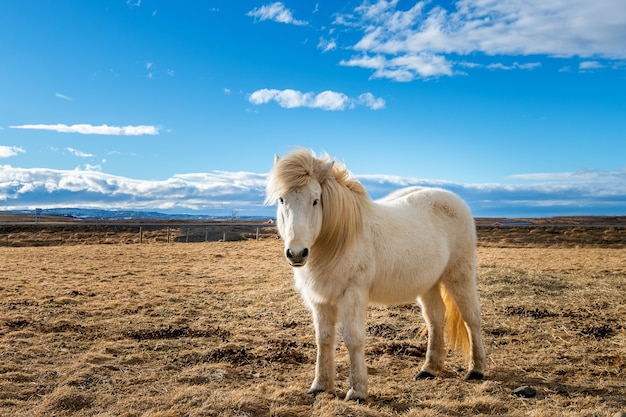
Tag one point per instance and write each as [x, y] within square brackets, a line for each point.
[140, 234]
[257, 233]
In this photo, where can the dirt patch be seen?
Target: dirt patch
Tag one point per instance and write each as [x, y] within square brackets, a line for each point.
[536, 313]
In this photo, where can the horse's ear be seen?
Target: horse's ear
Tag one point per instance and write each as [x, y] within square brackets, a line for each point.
[276, 158]
[325, 171]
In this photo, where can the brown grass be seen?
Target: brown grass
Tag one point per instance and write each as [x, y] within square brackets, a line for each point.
[216, 329]
[561, 236]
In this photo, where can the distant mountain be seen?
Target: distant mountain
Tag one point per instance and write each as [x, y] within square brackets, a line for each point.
[98, 214]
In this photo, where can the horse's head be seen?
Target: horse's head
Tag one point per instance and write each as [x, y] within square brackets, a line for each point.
[295, 184]
[299, 219]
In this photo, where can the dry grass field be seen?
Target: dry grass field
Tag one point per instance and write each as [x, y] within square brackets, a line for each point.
[216, 329]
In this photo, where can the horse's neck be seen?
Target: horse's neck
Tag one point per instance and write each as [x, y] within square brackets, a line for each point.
[340, 233]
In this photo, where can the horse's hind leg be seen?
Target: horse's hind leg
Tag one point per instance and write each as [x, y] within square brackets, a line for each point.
[324, 319]
[461, 287]
[433, 310]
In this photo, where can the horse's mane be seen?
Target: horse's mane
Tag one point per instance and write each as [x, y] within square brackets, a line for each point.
[344, 199]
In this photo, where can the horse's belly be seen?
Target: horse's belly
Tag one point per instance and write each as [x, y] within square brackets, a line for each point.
[392, 299]
[397, 291]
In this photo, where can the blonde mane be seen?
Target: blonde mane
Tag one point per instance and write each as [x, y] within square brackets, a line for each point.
[344, 199]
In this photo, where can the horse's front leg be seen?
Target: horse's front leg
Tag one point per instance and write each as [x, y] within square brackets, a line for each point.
[353, 310]
[324, 320]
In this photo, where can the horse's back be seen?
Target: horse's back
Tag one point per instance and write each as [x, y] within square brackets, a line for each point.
[440, 202]
[397, 196]
[441, 211]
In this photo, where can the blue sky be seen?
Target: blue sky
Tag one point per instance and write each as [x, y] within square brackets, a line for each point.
[519, 106]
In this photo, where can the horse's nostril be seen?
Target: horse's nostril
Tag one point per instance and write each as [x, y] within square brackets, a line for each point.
[297, 255]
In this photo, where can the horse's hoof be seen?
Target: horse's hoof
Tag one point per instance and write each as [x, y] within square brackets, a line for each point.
[474, 376]
[352, 395]
[423, 375]
[313, 392]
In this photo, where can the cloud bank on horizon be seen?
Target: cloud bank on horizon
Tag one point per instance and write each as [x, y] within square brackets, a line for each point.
[575, 193]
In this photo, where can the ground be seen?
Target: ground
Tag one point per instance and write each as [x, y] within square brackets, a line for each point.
[216, 329]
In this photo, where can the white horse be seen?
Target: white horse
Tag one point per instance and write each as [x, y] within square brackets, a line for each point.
[347, 250]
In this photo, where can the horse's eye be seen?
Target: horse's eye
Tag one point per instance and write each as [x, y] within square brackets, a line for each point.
[281, 200]
[315, 202]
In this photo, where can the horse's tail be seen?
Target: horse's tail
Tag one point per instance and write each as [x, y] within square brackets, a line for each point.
[456, 331]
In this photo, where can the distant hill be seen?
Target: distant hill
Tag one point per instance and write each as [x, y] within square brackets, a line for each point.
[98, 214]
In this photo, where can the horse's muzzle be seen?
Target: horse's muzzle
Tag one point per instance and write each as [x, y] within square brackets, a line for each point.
[297, 257]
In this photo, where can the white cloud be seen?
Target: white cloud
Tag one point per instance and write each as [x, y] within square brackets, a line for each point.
[421, 41]
[377, 62]
[582, 175]
[515, 65]
[330, 100]
[90, 167]
[9, 151]
[64, 97]
[326, 100]
[78, 153]
[368, 100]
[276, 12]
[87, 129]
[590, 65]
[285, 98]
[403, 68]
[326, 45]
